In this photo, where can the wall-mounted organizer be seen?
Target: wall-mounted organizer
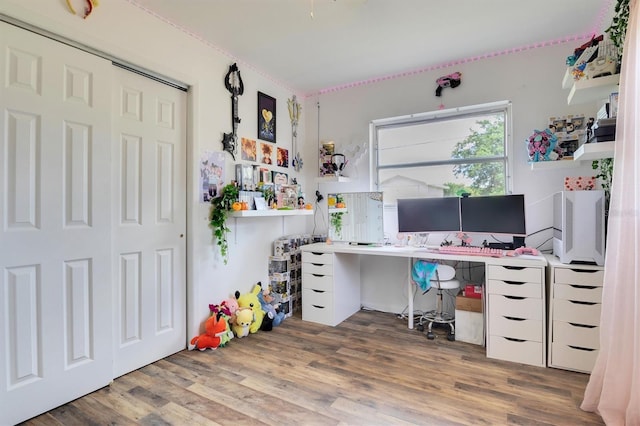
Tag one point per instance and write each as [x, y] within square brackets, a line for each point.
[285, 271]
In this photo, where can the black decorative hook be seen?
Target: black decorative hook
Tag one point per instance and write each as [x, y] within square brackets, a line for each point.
[233, 83]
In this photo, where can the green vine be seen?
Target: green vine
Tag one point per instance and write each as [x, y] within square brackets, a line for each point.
[618, 28]
[220, 207]
[336, 222]
[604, 166]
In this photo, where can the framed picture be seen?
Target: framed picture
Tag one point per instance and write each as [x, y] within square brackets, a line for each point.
[280, 178]
[267, 153]
[266, 117]
[248, 149]
[261, 203]
[283, 157]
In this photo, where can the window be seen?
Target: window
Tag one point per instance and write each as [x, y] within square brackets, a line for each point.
[443, 153]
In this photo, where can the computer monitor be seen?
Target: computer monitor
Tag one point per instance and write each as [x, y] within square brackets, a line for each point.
[494, 214]
[424, 215]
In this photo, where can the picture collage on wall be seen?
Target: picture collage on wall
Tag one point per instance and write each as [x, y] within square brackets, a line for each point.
[263, 150]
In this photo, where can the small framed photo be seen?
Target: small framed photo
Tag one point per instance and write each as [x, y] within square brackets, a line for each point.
[265, 175]
[261, 203]
[283, 157]
[266, 117]
[248, 149]
[267, 152]
[280, 178]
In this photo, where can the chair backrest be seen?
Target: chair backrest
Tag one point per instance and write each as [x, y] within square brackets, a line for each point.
[445, 273]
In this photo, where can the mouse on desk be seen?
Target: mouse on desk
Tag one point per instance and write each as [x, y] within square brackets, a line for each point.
[527, 250]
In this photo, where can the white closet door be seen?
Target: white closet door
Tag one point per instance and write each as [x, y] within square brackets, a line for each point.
[55, 222]
[149, 212]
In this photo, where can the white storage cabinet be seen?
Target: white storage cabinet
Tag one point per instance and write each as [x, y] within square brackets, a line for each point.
[516, 314]
[575, 299]
[330, 287]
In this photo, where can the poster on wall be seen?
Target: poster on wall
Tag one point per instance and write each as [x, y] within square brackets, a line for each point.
[283, 157]
[249, 149]
[267, 153]
[211, 175]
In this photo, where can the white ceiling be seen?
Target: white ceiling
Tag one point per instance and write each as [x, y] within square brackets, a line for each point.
[354, 41]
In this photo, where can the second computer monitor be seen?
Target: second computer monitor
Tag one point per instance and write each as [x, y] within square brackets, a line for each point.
[495, 214]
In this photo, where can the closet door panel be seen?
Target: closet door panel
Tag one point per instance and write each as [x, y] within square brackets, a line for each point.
[55, 224]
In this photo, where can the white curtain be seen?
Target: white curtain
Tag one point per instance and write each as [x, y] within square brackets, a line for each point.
[614, 386]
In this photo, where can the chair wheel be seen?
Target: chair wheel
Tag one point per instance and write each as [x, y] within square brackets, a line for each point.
[420, 328]
[451, 337]
[431, 336]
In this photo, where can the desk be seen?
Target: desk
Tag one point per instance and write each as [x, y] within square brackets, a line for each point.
[514, 302]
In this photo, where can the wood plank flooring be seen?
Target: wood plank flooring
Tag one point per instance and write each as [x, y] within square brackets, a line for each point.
[369, 370]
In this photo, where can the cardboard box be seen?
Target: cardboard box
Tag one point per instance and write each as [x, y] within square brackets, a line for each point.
[470, 327]
[469, 304]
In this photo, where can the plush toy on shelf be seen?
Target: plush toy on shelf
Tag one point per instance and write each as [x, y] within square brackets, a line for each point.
[215, 334]
[250, 300]
[243, 321]
[273, 316]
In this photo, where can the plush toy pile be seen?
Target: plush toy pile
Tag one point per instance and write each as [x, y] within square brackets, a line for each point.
[239, 317]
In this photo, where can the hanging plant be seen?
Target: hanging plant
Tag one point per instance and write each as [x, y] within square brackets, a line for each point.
[604, 166]
[618, 28]
[336, 223]
[220, 207]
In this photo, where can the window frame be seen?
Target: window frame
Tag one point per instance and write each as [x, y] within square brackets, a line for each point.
[432, 116]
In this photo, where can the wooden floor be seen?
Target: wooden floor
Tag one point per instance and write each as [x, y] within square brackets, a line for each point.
[369, 370]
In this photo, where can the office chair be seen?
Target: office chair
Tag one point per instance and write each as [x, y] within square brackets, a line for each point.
[441, 277]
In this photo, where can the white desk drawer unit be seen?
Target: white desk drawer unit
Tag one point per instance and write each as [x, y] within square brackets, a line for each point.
[330, 287]
[575, 298]
[516, 314]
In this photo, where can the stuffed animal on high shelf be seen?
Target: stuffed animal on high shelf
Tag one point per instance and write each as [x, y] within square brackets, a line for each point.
[250, 300]
[215, 333]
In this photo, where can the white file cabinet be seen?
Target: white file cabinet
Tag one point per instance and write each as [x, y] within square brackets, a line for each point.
[330, 286]
[516, 314]
[575, 298]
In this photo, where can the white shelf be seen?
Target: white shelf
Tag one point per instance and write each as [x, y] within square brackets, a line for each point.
[594, 151]
[594, 89]
[270, 212]
[567, 81]
[330, 178]
[552, 165]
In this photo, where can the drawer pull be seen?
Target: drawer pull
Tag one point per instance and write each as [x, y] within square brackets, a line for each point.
[513, 318]
[318, 306]
[317, 291]
[513, 282]
[317, 253]
[581, 349]
[318, 275]
[584, 287]
[515, 268]
[317, 264]
[515, 297]
[511, 339]
[585, 271]
[578, 302]
[582, 325]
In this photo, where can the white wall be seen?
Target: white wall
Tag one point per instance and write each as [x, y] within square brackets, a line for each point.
[123, 30]
[531, 80]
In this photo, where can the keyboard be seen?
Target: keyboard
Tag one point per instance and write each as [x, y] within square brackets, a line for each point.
[472, 251]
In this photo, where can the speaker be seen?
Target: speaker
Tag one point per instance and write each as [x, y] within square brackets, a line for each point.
[518, 242]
